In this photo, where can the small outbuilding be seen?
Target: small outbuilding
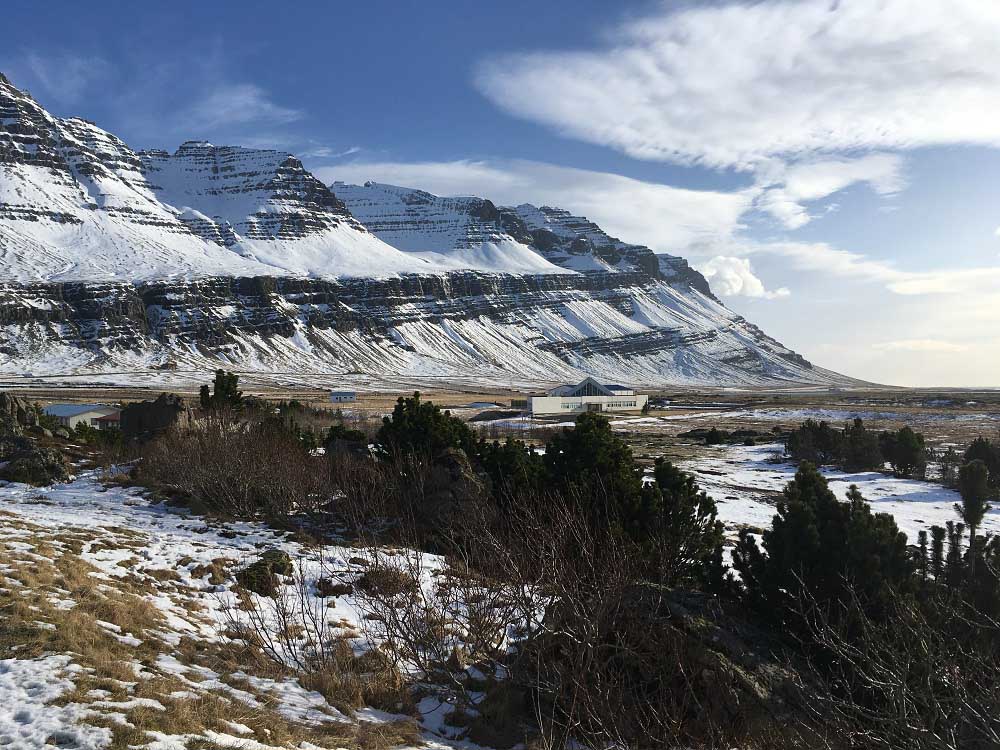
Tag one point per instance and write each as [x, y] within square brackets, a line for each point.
[343, 397]
[98, 416]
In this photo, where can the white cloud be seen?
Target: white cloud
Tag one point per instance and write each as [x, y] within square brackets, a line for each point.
[822, 258]
[734, 277]
[667, 219]
[817, 179]
[920, 345]
[792, 186]
[732, 84]
[958, 281]
[327, 152]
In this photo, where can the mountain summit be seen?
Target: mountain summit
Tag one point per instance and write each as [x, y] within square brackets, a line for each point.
[112, 258]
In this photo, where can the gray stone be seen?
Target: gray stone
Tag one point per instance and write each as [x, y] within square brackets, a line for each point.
[23, 461]
[15, 414]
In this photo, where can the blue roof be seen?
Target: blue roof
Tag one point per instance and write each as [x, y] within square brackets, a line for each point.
[72, 410]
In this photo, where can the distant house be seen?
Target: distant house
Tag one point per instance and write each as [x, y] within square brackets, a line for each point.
[98, 416]
[587, 395]
[343, 397]
[110, 421]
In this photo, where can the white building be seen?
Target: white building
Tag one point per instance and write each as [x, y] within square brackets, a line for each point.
[588, 395]
[343, 397]
[98, 416]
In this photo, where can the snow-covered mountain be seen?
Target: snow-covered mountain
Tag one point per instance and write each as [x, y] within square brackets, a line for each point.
[76, 203]
[114, 259]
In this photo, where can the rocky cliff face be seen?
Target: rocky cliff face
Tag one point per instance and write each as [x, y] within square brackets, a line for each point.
[113, 260]
[418, 221]
[76, 203]
[496, 327]
[243, 193]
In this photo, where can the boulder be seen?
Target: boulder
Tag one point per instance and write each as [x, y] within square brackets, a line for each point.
[261, 576]
[21, 460]
[15, 414]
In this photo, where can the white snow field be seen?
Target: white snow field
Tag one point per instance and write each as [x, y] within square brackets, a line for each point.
[81, 554]
[746, 480]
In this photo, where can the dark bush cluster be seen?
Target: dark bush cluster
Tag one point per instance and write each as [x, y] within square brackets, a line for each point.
[856, 448]
[987, 451]
[824, 545]
[902, 641]
[240, 469]
[223, 394]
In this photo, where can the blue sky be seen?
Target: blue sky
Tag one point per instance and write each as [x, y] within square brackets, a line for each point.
[832, 165]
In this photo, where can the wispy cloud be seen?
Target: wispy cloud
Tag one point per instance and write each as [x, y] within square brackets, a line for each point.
[732, 84]
[162, 102]
[828, 261]
[232, 104]
[920, 345]
[787, 189]
[61, 76]
[328, 152]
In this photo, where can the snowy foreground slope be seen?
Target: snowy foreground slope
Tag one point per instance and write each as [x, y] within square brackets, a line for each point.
[115, 614]
[121, 261]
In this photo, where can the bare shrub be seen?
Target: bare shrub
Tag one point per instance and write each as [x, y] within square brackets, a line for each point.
[410, 500]
[236, 468]
[612, 661]
[439, 617]
[925, 676]
[367, 493]
[292, 629]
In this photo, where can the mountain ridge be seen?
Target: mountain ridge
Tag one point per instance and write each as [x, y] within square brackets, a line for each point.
[113, 258]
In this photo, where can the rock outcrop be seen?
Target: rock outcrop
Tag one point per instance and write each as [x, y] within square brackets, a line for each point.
[494, 327]
[21, 458]
[15, 415]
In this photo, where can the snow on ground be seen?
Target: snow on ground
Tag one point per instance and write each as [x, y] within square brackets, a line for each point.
[86, 555]
[746, 480]
[28, 720]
